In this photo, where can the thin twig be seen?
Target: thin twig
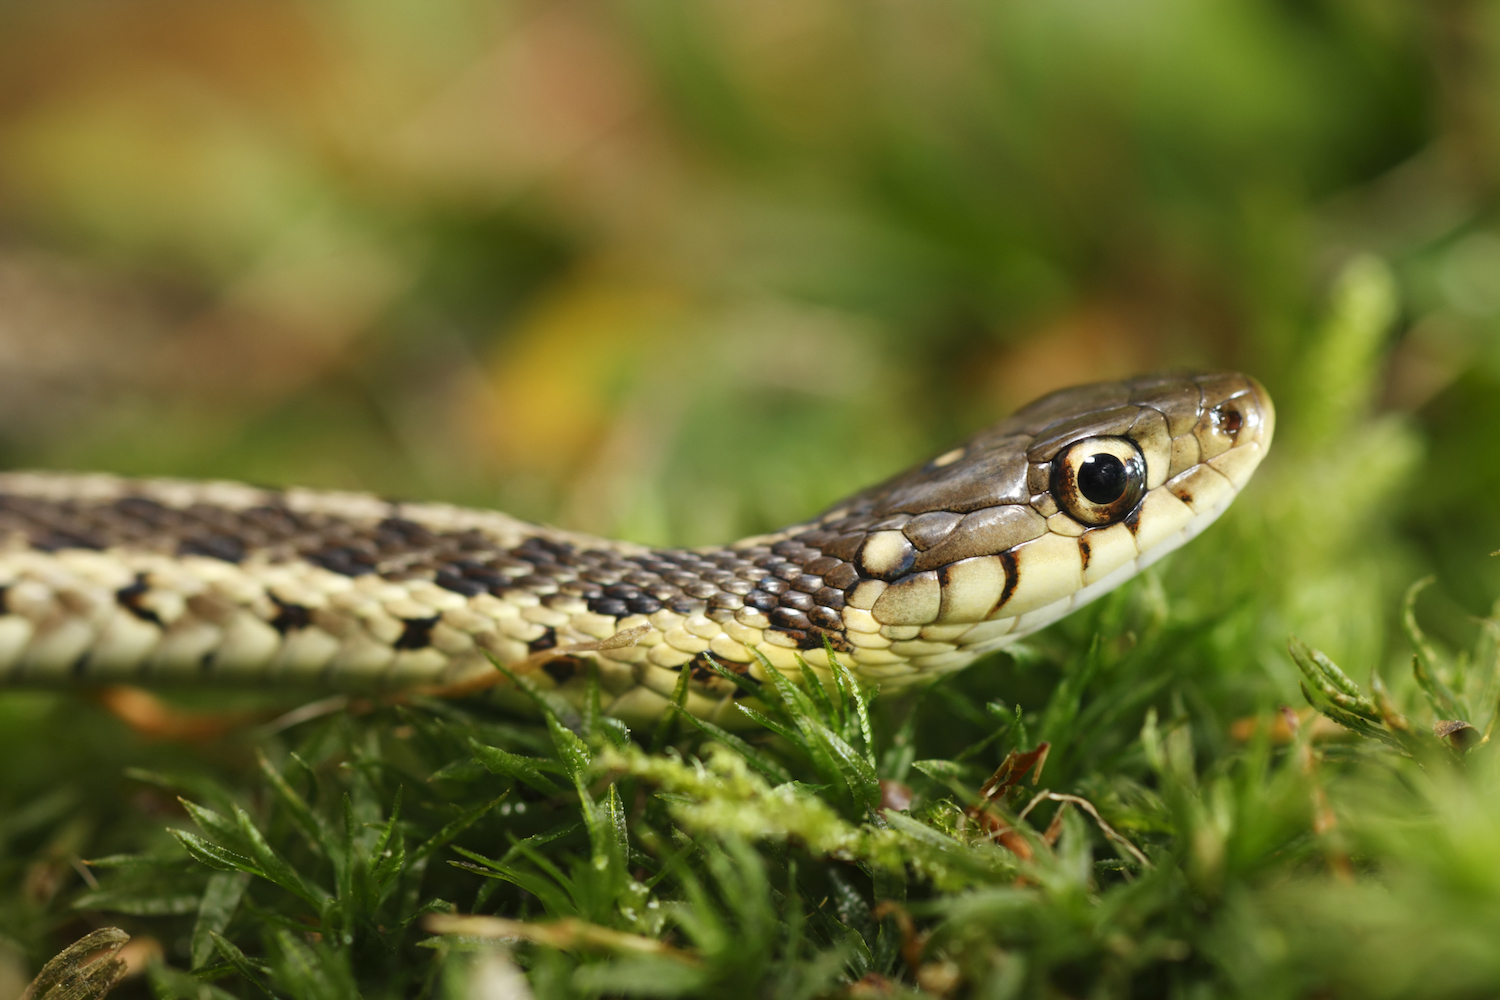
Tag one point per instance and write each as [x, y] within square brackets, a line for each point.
[1088, 807]
[567, 934]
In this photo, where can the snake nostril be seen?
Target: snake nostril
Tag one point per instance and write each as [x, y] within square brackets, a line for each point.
[1229, 421]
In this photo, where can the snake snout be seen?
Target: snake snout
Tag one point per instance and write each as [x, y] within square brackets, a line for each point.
[1235, 427]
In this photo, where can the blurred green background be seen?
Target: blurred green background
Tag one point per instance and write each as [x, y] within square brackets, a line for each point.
[678, 271]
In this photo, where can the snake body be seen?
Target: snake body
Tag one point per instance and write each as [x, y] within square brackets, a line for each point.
[104, 579]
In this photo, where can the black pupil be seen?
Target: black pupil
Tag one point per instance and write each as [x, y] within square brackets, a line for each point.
[1102, 478]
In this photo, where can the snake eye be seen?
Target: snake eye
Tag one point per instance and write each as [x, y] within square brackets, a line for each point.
[1099, 480]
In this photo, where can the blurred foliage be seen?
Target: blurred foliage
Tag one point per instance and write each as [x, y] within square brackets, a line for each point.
[684, 270]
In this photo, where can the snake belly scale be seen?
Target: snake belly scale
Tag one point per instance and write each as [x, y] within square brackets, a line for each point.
[162, 582]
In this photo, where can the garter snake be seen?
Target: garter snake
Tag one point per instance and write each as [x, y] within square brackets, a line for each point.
[159, 582]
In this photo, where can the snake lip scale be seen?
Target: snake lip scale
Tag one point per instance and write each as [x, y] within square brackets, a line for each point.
[162, 582]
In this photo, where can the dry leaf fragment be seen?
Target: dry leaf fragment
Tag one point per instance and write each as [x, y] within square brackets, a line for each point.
[87, 969]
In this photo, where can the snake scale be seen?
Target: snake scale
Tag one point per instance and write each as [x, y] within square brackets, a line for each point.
[160, 582]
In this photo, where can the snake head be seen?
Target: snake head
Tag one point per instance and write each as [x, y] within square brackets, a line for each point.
[1053, 506]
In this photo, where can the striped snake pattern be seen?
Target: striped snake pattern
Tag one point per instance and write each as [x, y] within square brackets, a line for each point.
[160, 582]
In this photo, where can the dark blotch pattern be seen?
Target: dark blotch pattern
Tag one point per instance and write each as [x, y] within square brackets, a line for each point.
[701, 669]
[224, 547]
[129, 598]
[290, 617]
[563, 668]
[416, 633]
[800, 583]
